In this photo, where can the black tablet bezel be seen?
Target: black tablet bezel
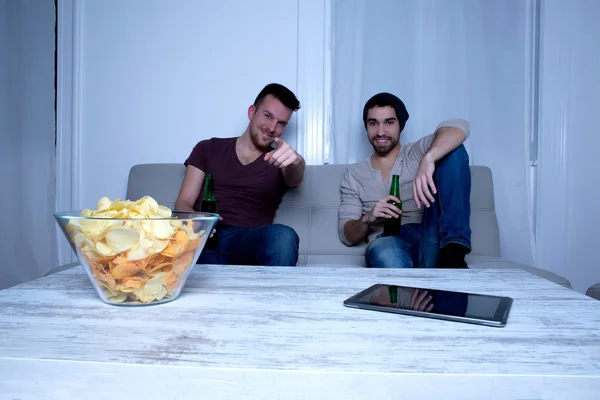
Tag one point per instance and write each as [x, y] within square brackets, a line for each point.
[499, 320]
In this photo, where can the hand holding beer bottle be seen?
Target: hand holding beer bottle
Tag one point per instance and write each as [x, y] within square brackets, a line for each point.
[392, 226]
[390, 208]
[211, 205]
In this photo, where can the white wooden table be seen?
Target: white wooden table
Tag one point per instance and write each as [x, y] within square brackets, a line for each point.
[282, 333]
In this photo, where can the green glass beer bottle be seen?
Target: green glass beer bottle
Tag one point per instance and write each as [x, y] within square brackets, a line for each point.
[211, 205]
[392, 225]
[393, 292]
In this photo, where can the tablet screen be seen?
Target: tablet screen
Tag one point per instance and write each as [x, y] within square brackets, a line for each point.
[459, 304]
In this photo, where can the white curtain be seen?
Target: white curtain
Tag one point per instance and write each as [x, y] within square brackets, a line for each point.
[444, 59]
[27, 228]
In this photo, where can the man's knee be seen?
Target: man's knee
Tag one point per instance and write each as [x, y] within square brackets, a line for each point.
[283, 235]
[385, 252]
[281, 247]
[454, 162]
[459, 155]
[453, 173]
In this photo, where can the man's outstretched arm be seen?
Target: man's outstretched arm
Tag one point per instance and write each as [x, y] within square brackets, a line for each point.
[294, 173]
[291, 163]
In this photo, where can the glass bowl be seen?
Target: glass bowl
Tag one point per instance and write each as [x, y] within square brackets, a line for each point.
[137, 261]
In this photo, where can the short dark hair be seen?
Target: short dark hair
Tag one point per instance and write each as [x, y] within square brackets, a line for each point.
[283, 94]
[387, 99]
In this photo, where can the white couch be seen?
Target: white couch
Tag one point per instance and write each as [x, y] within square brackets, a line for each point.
[312, 210]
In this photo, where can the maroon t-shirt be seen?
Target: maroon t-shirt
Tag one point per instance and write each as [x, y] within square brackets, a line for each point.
[248, 195]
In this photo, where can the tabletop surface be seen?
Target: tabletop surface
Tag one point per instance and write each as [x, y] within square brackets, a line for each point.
[276, 319]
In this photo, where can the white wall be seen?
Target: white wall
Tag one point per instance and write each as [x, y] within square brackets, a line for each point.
[157, 77]
[496, 86]
[28, 239]
[4, 82]
[569, 175]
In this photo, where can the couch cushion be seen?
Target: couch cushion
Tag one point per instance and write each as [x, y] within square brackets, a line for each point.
[482, 185]
[594, 291]
[161, 181]
[317, 229]
[325, 181]
[324, 237]
[325, 201]
[485, 237]
[294, 211]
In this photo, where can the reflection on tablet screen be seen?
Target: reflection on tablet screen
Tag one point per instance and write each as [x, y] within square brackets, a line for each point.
[433, 301]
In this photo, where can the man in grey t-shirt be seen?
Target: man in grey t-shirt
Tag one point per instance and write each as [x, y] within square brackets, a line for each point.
[435, 186]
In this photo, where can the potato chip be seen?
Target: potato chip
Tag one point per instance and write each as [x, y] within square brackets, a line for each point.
[103, 249]
[122, 239]
[121, 268]
[162, 229]
[103, 204]
[118, 298]
[135, 261]
[181, 263]
[170, 279]
[134, 283]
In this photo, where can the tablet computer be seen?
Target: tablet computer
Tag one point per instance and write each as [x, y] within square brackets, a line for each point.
[471, 308]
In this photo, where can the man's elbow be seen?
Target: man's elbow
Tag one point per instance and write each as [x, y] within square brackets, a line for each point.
[183, 205]
[178, 206]
[294, 183]
[344, 240]
[342, 234]
[465, 126]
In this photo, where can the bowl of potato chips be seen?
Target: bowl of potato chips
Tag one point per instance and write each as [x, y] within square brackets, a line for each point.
[136, 252]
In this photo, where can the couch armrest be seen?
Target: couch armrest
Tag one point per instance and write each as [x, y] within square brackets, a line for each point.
[62, 268]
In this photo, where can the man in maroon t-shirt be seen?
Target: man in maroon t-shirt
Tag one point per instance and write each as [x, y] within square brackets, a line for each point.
[251, 173]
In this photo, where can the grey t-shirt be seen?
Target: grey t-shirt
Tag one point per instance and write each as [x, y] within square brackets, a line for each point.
[362, 186]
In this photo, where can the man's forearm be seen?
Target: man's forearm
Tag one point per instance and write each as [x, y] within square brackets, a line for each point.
[294, 173]
[356, 231]
[446, 139]
[182, 205]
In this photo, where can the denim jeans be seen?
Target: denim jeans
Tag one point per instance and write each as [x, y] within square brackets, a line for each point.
[446, 221]
[271, 245]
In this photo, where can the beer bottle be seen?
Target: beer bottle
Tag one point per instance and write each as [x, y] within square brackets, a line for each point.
[393, 292]
[392, 225]
[211, 205]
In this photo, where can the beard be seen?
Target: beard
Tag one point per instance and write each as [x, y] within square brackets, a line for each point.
[258, 140]
[383, 148]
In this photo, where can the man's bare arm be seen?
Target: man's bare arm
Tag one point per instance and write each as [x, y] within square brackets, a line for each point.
[294, 173]
[190, 189]
[356, 231]
[291, 163]
[447, 138]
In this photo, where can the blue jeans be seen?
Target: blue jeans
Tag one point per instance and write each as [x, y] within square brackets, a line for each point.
[271, 245]
[446, 221]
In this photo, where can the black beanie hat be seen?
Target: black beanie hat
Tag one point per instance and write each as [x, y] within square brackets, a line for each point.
[387, 99]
